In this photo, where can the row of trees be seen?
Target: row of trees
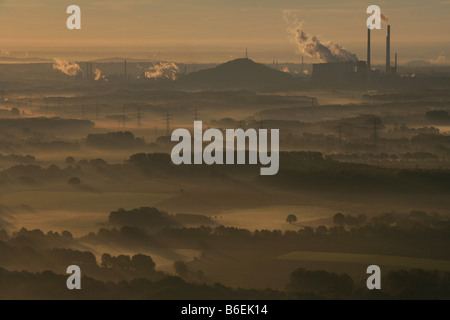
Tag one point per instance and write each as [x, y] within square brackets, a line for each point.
[302, 284]
[399, 284]
[409, 156]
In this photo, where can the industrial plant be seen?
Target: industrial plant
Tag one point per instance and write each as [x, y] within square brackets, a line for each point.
[355, 71]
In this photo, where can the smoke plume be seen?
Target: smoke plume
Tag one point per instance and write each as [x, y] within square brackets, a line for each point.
[67, 67]
[99, 76]
[162, 70]
[311, 46]
[441, 59]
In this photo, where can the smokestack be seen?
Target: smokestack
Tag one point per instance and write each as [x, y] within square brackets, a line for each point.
[395, 63]
[125, 69]
[368, 48]
[303, 66]
[388, 50]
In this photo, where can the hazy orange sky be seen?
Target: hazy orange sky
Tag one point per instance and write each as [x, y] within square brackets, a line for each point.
[421, 29]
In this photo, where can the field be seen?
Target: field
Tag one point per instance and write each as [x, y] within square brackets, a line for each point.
[270, 217]
[77, 211]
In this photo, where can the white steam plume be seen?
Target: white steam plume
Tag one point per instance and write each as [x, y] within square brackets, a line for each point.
[441, 59]
[99, 76]
[162, 70]
[67, 67]
[310, 45]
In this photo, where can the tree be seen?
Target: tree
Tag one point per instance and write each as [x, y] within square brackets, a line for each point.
[322, 283]
[321, 230]
[107, 261]
[122, 262]
[291, 219]
[143, 264]
[70, 160]
[339, 219]
[67, 235]
[180, 268]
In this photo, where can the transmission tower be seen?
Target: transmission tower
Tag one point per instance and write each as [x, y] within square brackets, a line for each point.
[123, 117]
[139, 116]
[195, 115]
[167, 124]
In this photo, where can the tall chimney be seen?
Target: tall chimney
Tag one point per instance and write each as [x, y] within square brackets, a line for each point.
[388, 50]
[396, 63]
[368, 48]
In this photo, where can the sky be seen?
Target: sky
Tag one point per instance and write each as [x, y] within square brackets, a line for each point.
[420, 29]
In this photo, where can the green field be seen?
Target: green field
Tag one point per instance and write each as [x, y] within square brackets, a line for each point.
[368, 259]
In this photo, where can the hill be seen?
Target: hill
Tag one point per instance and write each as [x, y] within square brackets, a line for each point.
[239, 73]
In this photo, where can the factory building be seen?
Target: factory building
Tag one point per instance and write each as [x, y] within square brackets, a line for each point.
[332, 72]
[354, 71]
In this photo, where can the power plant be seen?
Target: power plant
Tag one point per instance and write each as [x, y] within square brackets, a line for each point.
[388, 50]
[368, 47]
[355, 71]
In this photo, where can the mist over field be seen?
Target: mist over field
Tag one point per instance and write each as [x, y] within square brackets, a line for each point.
[87, 178]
